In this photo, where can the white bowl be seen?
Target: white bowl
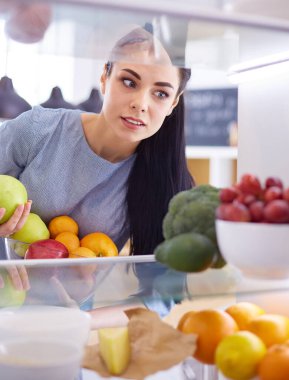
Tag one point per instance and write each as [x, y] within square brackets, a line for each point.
[39, 358]
[31, 322]
[42, 342]
[259, 250]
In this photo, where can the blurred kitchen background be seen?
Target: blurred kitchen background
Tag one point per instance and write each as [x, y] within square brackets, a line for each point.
[52, 53]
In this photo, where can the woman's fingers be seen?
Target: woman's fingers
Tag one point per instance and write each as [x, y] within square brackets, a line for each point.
[2, 212]
[24, 277]
[64, 297]
[15, 277]
[2, 284]
[23, 217]
[16, 221]
[18, 276]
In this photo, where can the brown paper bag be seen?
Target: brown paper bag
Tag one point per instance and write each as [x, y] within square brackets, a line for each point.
[156, 346]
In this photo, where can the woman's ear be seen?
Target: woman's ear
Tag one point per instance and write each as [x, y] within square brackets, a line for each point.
[103, 80]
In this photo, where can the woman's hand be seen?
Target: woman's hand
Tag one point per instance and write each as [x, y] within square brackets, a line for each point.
[17, 220]
[18, 276]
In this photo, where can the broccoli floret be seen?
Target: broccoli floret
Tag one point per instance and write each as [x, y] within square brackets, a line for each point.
[192, 211]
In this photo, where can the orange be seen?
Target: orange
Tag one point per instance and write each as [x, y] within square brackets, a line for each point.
[184, 323]
[84, 271]
[81, 252]
[100, 243]
[271, 328]
[62, 223]
[244, 312]
[69, 239]
[210, 326]
[275, 364]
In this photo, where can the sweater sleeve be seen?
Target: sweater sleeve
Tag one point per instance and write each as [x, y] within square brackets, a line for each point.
[22, 137]
[16, 139]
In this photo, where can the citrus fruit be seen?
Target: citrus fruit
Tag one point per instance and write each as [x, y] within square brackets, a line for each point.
[69, 239]
[244, 312]
[238, 355]
[100, 243]
[81, 252]
[271, 328]
[188, 252]
[210, 326]
[184, 322]
[62, 223]
[275, 364]
[84, 271]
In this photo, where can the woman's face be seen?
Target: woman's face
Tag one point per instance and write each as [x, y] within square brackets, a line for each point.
[138, 97]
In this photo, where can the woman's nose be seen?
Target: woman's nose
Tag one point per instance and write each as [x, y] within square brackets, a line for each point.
[139, 103]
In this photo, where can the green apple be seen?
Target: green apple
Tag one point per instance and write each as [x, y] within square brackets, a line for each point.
[9, 296]
[12, 194]
[34, 229]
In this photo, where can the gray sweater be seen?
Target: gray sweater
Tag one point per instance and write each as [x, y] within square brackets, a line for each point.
[47, 151]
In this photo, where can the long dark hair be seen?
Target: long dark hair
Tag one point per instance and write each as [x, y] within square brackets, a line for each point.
[160, 168]
[159, 172]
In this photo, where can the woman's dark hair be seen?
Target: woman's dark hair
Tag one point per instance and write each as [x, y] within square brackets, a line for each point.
[159, 172]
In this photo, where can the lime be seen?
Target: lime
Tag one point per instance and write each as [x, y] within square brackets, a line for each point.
[188, 252]
[238, 355]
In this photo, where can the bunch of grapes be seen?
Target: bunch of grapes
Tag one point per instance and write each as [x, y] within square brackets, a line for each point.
[249, 201]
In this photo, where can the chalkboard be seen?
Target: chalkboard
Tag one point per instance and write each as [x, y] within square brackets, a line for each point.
[209, 116]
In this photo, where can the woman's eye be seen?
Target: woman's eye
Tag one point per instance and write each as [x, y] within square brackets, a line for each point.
[129, 83]
[161, 94]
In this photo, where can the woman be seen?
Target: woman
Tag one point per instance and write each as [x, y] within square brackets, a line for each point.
[115, 171]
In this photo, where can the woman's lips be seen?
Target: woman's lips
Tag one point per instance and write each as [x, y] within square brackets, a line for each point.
[132, 123]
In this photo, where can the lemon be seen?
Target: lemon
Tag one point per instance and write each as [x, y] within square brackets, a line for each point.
[238, 355]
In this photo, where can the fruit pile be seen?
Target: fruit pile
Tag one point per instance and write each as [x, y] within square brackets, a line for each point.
[63, 242]
[243, 341]
[250, 201]
[57, 240]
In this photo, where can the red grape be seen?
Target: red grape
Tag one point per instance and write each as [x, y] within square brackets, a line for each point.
[273, 192]
[286, 194]
[246, 199]
[273, 181]
[222, 211]
[238, 212]
[257, 211]
[250, 184]
[228, 194]
[277, 211]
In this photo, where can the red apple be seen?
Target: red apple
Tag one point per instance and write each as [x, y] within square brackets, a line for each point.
[46, 249]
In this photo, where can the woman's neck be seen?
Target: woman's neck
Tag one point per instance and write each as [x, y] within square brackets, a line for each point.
[102, 141]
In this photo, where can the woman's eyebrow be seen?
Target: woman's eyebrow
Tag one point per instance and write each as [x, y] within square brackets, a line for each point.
[133, 73]
[136, 75]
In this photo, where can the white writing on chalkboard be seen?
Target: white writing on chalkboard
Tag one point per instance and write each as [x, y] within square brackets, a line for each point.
[209, 115]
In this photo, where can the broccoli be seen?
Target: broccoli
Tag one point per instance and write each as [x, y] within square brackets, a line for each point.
[192, 211]
[189, 231]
